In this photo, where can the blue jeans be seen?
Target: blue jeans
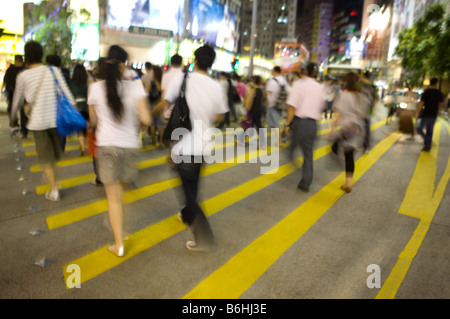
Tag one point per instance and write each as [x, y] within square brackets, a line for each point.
[428, 124]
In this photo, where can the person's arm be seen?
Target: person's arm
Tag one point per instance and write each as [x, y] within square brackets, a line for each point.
[159, 108]
[289, 119]
[419, 108]
[143, 114]
[92, 116]
[18, 100]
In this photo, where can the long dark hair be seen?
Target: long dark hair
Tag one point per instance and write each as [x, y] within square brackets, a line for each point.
[79, 76]
[115, 55]
[157, 73]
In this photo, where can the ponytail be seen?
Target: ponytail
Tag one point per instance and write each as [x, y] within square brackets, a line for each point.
[116, 55]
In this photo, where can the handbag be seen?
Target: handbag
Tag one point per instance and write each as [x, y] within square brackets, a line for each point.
[68, 118]
[28, 107]
[179, 118]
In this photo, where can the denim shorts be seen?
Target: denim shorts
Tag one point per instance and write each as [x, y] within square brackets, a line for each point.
[117, 164]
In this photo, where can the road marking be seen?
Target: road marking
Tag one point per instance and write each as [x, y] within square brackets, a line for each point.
[422, 202]
[233, 278]
[98, 207]
[102, 260]
[89, 210]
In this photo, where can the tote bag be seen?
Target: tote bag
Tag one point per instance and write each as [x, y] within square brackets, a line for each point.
[179, 118]
[68, 118]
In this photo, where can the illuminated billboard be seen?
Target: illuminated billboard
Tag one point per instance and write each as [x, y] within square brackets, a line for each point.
[212, 22]
[155, 14]
[84, 25]
[11, 17]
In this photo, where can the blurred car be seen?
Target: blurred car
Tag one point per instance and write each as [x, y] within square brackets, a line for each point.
[403, 99]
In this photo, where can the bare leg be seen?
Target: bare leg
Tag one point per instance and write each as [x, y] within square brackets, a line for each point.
[81, 141]
[49, 172]
[114, 193]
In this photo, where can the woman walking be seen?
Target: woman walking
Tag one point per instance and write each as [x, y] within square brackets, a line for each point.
[78, 86]
[350, 109]
[118, 109]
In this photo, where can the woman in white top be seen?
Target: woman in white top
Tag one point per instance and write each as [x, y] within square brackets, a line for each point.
[118, 109]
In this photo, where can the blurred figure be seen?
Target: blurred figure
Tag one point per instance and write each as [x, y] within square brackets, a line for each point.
[255, 103]
[148, 76]
[241, 88]
[428, 109]
[154, 92]
[37, 85]
[168, 77]
[9, 85]
[331, 94]
[78, 86]
[118, 109]
[370, 91]
[223, 80]
[305, 102]
[350, 107]
[204, 97]
[99, 75]
[273, 90]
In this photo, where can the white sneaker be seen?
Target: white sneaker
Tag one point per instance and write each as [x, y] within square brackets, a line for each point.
[192, 246]
[52, 196]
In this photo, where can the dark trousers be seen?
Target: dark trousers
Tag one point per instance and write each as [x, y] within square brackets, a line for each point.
[428, 124]
[366, 143]
[192, 214]
[349, 161]
[304, 132]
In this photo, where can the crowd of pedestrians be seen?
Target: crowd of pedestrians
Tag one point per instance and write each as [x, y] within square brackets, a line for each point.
[121, 104]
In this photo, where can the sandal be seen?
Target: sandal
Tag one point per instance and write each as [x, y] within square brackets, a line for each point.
[346, 189]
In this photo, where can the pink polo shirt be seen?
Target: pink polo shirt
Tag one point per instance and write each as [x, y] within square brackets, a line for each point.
[307, 96]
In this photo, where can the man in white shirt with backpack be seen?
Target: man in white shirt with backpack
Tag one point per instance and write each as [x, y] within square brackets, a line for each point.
[274, 88]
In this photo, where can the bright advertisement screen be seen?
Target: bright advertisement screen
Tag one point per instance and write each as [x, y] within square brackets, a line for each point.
[212, 22]
[85, 42]
[11, 16]
[155, 14]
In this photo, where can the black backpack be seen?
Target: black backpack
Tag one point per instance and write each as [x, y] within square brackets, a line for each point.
[233, 95]
[180, 114]
[154, 95]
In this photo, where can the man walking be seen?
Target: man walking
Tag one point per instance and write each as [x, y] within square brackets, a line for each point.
[305, 101]
[206, 104]
[274, 87]
[428, 109]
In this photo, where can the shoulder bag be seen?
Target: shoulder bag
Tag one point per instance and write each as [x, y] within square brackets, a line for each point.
[68, 118]
[179, 118]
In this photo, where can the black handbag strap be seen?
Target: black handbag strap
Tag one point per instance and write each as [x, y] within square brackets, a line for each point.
[183, 85]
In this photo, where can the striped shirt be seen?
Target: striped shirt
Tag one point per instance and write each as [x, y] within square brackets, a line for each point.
[43, 115]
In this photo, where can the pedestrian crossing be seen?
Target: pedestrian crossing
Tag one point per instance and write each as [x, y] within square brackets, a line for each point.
[232, 278]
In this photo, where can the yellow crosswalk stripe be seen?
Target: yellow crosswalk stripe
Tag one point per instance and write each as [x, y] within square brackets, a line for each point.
[89, 210]
[98, 207]
[101, 260]
[421, 201]
[241, 271]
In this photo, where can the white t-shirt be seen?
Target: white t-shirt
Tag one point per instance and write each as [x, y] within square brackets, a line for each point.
[167, 78]
[274, 87]
[109, 132]
[205, 99]
[43, 115]
[308, 98]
